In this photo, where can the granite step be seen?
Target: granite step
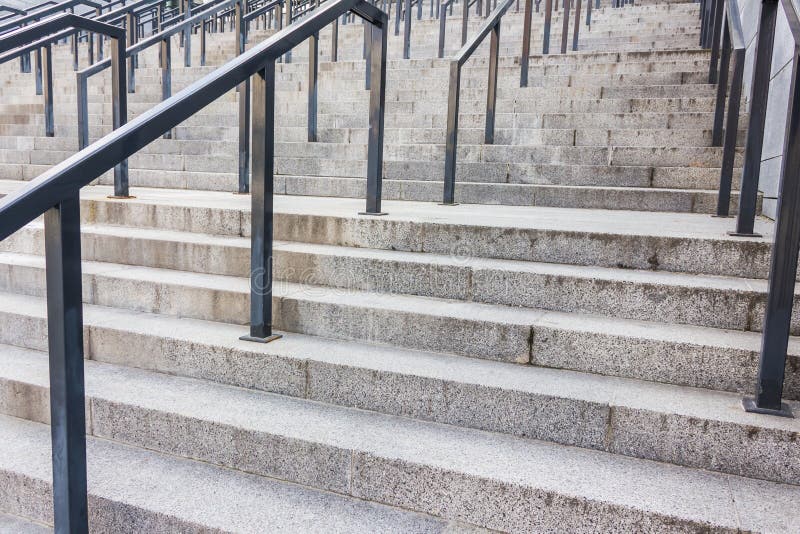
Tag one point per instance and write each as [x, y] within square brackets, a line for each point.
[135, 490]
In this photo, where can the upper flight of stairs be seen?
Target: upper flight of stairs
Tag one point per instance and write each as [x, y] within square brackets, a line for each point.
[564, 351]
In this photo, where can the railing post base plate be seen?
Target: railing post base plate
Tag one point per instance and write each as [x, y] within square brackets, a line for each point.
[744, 234]
[118, 197]
[448, 203]
[749, 405]
[376, 213]
[267, 339]
[715, 216]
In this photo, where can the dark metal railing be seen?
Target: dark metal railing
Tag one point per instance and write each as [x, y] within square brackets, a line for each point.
[55, 194]
[39, 37]
[732, 46]
[36, 14]
[786, 245]
[490, 26]
[62, 236]
[549, 7]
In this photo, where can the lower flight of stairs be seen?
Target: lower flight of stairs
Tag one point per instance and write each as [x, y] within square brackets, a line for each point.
[565, 351]
[441, 368]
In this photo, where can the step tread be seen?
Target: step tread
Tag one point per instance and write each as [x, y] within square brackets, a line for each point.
[666, 490]
[634, 276]
[630, 223]
[611, 391]
[18, 525]
[189, 494]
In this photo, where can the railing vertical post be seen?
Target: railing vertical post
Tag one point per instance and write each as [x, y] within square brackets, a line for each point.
[74, 48]
[25, 61]
[187, 39]
[722, 86]
[548, 18]
[119, 110]
[244, 108]
[65, 346]
[576, 29]
[491, 94]
[565, 27]
[719, 15]
[464, 21]
[37, 68]
[759, 94]
[261, 213]
[731, 133]
[313, 71]
[203, 43]
[288, 57]
[335, 40]
[783, 268]
[442, 31]
[589, 12]
[47, 90]
[165, 62]
[526, 44]
[377, 104]
[419, 9]
[452, 134]
[368, 55]
[407, 30]
[131, 36]
[83, 111]
[397, 15]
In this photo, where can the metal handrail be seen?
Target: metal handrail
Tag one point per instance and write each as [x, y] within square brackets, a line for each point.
[55, 194]
[491, 25]
[786, 244]
[37, 15]
[733, 44]
[14, 11]
[14, 44]
[108, 18]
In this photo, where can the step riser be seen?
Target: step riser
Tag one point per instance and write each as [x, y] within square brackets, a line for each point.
[727, 257]
[30, 496]
[335, 468]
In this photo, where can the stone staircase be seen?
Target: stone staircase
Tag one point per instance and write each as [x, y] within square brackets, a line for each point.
[564, 351]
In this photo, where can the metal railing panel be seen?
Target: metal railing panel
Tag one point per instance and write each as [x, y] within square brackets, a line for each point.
[490, 26]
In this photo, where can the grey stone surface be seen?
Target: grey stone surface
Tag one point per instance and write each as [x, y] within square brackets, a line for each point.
[16, 525]
[410, 464]
[133, 490]
[270, 432]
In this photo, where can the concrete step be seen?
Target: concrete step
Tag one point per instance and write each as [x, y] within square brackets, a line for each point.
[333, 443]
[721, 302]
[674, 242]
[361, 375]
[132, 489]
[19, 525]
[682, 498]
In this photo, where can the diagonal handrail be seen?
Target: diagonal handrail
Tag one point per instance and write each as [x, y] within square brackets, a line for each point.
[490, 26]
